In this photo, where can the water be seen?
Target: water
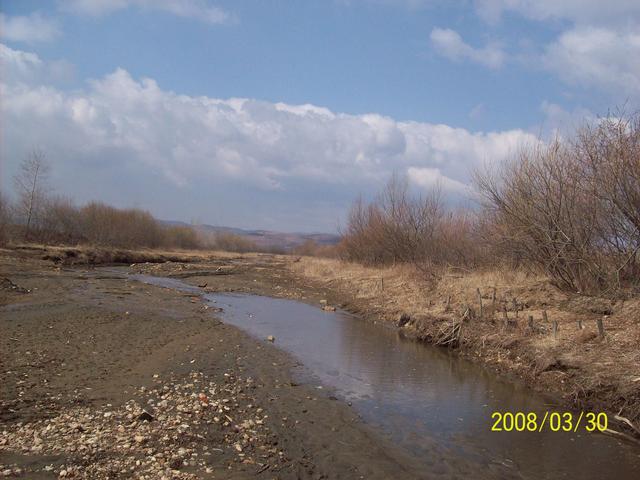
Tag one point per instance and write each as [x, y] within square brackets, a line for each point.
[433, 404]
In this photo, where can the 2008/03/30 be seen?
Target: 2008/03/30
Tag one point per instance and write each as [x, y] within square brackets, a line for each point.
[552, 421]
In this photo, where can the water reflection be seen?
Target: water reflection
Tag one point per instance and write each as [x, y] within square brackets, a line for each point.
[432, 403]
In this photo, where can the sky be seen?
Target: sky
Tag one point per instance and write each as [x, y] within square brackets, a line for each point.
[277, 114]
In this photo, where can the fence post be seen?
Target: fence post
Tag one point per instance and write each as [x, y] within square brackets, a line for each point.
[515, 306]
[579, 324]
[600, 327]
[530, 322]
[544, 316]
[479, 300]
[555, 329]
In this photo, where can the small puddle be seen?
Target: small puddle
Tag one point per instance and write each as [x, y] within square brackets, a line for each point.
[431, 403]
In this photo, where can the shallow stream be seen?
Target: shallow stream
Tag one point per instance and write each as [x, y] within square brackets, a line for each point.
[430, 402]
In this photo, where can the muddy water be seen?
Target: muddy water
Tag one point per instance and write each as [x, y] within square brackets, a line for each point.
[431, 403]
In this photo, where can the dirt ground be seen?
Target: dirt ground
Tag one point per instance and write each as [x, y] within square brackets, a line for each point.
[106, 378]
[85, 354]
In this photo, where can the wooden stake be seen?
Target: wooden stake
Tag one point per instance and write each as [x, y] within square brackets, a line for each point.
[600, 327]
[479, 301]
[530, 322]
[515, 306]
[544, 316]
[579, 324]
[447, 307]
[555, 329]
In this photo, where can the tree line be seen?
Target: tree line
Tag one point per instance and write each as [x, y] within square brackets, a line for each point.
[569, 208]
[39, 215]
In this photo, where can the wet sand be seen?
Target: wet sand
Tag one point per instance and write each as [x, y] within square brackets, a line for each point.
[84, 352]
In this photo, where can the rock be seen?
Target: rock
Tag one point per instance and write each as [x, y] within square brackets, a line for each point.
[139, 439]
[403, 320]
[323, 302]
[329, 308]
[271, 338]
[145, 417]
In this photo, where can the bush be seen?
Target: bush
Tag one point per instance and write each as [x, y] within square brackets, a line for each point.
[399, 228]
[105, 225]
[5, 219]
[231, 242]
[572, 208]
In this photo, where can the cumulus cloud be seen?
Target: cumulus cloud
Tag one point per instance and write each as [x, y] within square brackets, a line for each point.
[450, 44]
[28, 29]
[597, 50]
[119, 120]
[196, 9]
[431, 178]
[597, 57]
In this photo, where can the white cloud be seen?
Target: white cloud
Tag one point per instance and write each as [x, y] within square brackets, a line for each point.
[559, 120]
[450, 44]
[259, 144]
[196, 9]
[29, 29]
[430, 178]
[594, 12]
[597, 57]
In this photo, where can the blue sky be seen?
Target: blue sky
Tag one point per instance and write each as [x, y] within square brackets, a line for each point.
[276, 114]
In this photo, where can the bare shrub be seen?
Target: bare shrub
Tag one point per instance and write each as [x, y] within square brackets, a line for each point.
[5, 219]
[572, 208]
[311, 248]
[231, 242]
[609, 156]
[181, 237]
[399, 228]
[543, 214]
[106, 225]
[61, 222]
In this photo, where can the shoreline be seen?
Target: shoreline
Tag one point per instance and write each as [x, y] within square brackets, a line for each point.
[84, 295]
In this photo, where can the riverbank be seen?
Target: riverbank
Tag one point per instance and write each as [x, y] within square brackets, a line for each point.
[86, 351]
[576, 365]
[101, 377]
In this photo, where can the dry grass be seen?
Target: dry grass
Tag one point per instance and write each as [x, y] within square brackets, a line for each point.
[89, 255]
[588, 371]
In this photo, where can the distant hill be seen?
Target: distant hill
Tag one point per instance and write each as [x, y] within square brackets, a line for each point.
[268, 238]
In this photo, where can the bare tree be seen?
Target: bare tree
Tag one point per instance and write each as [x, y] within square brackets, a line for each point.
[5, 219]
[31, 186]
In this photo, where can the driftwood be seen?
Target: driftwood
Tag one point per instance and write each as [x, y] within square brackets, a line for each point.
[628, 423]
[623, 436]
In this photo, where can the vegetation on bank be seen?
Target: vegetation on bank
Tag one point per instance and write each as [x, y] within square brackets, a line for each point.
[41, 217]
[569, 209]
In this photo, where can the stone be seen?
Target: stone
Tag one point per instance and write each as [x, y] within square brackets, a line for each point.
[145, 417]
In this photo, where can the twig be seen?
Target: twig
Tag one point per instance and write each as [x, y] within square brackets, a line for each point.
[628, 422]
